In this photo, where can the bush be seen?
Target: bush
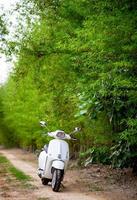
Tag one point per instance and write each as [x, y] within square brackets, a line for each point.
[100, 154]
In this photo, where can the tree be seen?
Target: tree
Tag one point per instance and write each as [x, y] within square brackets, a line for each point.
[78, 63]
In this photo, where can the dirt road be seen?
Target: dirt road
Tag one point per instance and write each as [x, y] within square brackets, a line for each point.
[88, 184]
[29, 167]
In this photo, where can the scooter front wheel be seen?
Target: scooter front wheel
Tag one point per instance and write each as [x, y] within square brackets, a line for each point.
[56, 180]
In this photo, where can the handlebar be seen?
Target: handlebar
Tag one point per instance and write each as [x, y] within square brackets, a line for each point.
[54, 135]
[59, 133]
[74, 139]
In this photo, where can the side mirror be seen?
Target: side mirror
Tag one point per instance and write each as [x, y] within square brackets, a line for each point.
[43, 123]
[77, 129]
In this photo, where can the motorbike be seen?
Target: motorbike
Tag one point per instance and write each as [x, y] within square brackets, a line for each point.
[54, 157]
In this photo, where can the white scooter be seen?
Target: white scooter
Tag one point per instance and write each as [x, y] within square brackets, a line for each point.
[53, 159]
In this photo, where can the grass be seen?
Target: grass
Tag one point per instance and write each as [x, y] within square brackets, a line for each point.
[9, 168]
[3, 159]
[19, 175]
[14, 184]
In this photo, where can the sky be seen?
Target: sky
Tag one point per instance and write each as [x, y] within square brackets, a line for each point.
[5, 67]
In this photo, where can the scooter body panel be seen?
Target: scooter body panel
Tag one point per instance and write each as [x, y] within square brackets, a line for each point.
[42, 159]
[57, 157]
[58, 149]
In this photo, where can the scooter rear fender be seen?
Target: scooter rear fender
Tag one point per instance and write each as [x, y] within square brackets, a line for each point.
[58, 164]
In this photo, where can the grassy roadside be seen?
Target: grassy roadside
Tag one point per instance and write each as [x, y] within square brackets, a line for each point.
[14, 183]
[8, 168]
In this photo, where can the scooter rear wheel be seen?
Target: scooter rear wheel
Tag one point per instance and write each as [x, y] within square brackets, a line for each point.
[56, 180]
[44, 181]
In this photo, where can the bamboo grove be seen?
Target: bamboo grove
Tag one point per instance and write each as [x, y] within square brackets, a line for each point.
[76, 66]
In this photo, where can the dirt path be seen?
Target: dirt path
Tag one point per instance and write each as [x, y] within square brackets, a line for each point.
[29, 166]
[93, 183]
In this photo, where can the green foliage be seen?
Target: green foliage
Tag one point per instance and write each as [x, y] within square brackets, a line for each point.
[6, 136]
[3, 31]
[124, 153]
[77, 66]
[121, 155]
[95, 155]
